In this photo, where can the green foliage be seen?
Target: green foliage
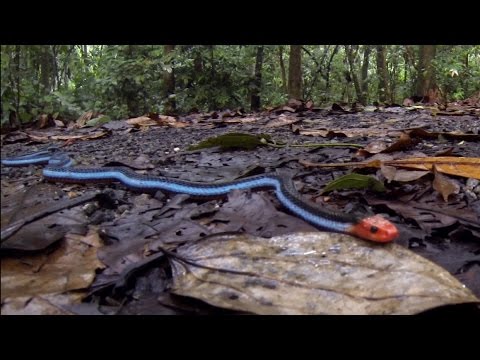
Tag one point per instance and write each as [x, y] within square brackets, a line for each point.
[458, 70]
[130, 80]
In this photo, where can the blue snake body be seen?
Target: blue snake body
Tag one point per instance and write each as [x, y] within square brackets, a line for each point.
[59, 169]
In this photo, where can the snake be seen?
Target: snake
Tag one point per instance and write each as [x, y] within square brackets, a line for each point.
[60, 168]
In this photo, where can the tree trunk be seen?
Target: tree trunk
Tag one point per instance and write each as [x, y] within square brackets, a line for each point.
[327, 73]
[45, 69]
[213, 99]
[282, 70]
[295, 72]
[353, 74]
[364, 83]
[257, 81]
[425, 71]
[382, 73]
[15, 118]
[169, 81]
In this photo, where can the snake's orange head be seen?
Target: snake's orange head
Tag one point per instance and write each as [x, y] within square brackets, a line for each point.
[375, 228]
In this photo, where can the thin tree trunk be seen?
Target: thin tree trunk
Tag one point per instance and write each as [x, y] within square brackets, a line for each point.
[327, 72]
[295, 72]
[383, 90]
[365, 64]
[282, 70]
[46, 69]
[255, 101]
[15, 118]
[169, 79]
[353, 74]
[213, 99]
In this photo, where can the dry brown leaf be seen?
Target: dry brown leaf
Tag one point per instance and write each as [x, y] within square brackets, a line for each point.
[312, 273]
[459, 166]
[403, 143]
[59, 123]
[82, 120]
[391, 173]
[95, 135]
[322, 133]
[424, 134]
[41, 305]
[444, 185]
[375, 147]
[167, 120]
[237, 120]
[72, 266]
[142, 121]
[282, 120]
[354, 132]
[43, 121]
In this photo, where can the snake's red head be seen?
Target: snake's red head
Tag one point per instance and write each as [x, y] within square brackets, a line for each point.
[375, 228]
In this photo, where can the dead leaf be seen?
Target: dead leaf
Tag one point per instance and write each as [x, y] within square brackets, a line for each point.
[444, 185]
[59, 123]
[56, 304]
[375, 147]
[431, 216]
[81, 121]
[237, 120]
[70, 267]
[167, 120]
[44, 121]
[282, 120]
[391, 173]
[459, 166]
[312, 273]
[404, 143]
[423, 134]
[142, 121]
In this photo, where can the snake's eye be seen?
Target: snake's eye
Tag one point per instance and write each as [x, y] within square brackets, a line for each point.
[373, 229]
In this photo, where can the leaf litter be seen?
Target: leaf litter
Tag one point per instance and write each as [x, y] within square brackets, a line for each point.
[140, 231]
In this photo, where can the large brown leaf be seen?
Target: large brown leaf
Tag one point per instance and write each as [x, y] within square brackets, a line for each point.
[70, 267]
[312, 273]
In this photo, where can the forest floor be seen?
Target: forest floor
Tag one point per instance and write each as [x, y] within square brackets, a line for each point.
[105, 249]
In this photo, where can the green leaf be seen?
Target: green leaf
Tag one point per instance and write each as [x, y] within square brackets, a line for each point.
[233, 141]
[98, 121]
[355, 181]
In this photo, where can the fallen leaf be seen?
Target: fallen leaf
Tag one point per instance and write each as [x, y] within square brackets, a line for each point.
[282, 120]
[404, 143]
[391, 173]
[59, 123]
[459, 166]
[312, 273]
[142, 121]
[354, 181]
[56, 304]
[424, 134]
[237, 120]
[233, 141]
[98, 121]
[85, 117]
[444, 185]
[376, 147]
[70, 267]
